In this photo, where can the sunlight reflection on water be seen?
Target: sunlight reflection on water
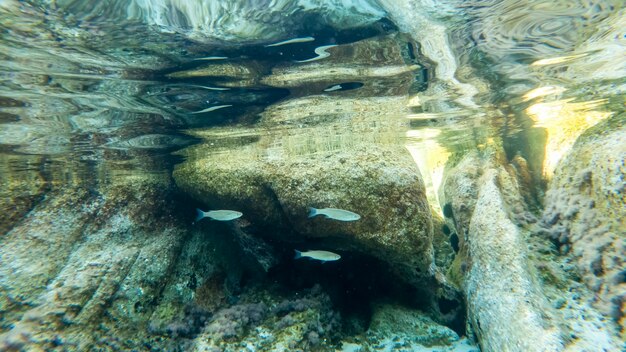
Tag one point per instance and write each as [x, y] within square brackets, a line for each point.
[78, 88]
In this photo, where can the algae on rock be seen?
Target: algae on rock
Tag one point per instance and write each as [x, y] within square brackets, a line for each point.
[85, 268]
[585, 214]
[509, 276]
[393, 326]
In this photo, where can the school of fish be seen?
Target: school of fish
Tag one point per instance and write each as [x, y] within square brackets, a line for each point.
[329, 213]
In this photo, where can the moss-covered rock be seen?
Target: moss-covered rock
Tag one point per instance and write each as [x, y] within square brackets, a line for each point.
[19, 189]
[264, 321]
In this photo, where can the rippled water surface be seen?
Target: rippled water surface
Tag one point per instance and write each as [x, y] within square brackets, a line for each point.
[89, 91]
[93, 91]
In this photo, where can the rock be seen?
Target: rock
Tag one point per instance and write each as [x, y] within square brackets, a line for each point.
[227, 70]
[380, 184]
[460, 193]
[413, 330]
[339, 150]
[505, 306]
[86, 267]
[509, 275]
[584, 209]
[263, 322]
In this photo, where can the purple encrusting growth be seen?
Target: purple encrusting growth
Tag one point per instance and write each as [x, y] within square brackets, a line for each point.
[297, 305]
[299, 323]
[231, 322]
[194, 319]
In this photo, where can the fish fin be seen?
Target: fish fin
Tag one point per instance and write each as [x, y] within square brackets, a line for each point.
[298, 254]
[199, 215]
[312, 212]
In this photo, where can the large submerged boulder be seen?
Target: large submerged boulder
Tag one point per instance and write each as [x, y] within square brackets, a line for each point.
[380, 184]
[341, 149]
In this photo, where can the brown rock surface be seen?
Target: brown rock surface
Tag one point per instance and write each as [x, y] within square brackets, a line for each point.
[343, 149]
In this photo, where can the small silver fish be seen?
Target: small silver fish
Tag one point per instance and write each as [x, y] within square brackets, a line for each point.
[321, 53]
[292, 41]
[219, 215]
[336, 214]
[207, 87]
[323, 256]
[333, 88]
[212, 108]
[212, 58]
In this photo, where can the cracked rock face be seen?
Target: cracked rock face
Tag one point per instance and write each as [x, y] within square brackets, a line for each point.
[86, 264]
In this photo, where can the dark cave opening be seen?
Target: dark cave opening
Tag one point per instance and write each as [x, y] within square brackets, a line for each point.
[354, 283]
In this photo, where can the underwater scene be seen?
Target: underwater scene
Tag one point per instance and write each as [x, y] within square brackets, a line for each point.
[313, 175]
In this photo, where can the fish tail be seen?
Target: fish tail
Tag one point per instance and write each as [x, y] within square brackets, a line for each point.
[199, 215]
[298, 254]
[312, 212]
